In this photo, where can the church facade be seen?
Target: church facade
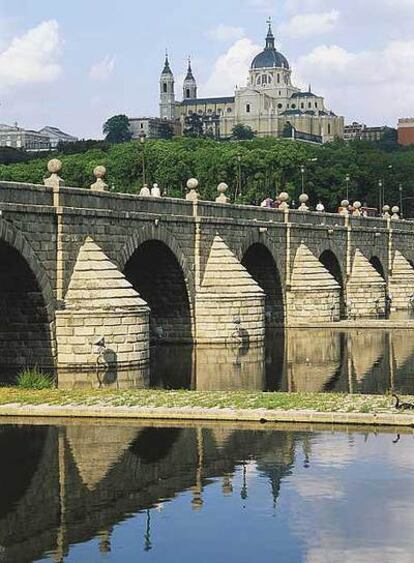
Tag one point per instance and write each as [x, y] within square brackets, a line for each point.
[270, 104]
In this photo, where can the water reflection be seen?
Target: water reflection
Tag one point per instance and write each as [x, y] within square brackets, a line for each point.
[119, 491]
[318, 360]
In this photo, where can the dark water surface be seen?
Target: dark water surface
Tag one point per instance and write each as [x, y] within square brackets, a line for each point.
[93, 491]
[371, 361]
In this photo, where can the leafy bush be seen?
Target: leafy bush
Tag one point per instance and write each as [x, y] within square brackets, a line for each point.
[33, 378]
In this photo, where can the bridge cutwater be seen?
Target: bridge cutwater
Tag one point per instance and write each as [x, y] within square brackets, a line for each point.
[90, 277]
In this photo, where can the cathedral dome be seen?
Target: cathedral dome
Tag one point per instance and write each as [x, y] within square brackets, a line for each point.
[270, 57]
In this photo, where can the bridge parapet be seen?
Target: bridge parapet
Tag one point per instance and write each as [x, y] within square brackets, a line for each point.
[26, 194]
[86, 199]
[209, 209]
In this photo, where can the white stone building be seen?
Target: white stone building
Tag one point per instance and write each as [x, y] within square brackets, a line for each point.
[270, 104]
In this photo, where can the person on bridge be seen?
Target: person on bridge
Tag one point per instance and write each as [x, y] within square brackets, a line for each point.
[155, 191]
[267, 202]
[145, 191]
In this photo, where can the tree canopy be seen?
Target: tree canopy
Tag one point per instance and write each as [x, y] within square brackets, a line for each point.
[116, 129]
[267, 166]
[242, 132]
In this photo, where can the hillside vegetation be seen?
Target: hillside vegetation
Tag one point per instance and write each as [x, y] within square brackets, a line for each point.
[266, 166]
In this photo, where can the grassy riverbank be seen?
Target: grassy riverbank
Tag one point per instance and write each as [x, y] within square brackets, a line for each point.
[322, 403]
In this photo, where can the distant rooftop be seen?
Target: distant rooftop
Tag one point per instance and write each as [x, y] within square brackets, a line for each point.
[222, 100]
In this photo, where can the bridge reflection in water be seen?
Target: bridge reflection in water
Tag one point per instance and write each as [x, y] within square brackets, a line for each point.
[318, 360]
[75, 482]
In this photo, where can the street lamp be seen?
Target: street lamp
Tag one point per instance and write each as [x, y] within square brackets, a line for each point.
[302, 171]
[239, 179]
[347, 180]
[400, 189]
[380, 197]
[142, 137]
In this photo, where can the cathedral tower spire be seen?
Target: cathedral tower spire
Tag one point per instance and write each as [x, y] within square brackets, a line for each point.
[190, 84]
[167, 94]
[270, 38]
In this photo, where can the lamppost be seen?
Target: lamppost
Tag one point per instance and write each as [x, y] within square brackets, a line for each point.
[347, 180]
[302, 171]
[142, 137]
[239, 179]
[380, 197]
[400, 189]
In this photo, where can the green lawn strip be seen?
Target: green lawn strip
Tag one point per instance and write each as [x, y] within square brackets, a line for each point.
[207, 399]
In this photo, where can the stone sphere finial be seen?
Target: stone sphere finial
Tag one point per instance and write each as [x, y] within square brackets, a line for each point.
[99, 172]
[222, 189]
[54, 166]
[386, 208]
[395, 211]
[357, 207]
[344, 203]
[99, 186]
[283, 197]
[303, 199]
[192, 185]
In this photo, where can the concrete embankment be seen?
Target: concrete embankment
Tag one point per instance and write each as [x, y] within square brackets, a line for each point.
[206, 414]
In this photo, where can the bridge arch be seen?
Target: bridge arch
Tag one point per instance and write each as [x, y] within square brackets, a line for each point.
[156, 266]
[331, 263]
[259, 262]
[27, 307]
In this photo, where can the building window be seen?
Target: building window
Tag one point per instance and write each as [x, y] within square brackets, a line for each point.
[293, 106]
[200, 112]
[278, 78]
[247, 108]
[280, 106]
[302, 105]
[142, 125]
[209, 111]
[316, 104]
[329, 128]
[228, 110]
[187, 93]
[309, 105]
[165, 88]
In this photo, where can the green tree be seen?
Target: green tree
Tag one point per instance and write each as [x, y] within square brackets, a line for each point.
[193, 126]
[116, 129]
[166, 131]
[242, 132]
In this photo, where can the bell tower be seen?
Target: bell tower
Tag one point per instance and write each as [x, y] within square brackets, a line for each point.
[190, 84]
[167, 95]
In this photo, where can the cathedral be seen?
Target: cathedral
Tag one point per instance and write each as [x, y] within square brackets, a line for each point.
[270, 104]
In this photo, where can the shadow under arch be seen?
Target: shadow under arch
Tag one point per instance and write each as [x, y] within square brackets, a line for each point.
[154, 444]
[155, 272]
[329, 260]
[26, 311]
[260, 264]
[377, 265]
[23, 446]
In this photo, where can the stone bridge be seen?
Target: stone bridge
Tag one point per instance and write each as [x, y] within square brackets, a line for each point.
[88, 277]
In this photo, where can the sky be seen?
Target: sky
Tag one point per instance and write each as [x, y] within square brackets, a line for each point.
[72, 64]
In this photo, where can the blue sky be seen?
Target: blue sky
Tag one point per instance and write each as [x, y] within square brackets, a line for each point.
[74, 63]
